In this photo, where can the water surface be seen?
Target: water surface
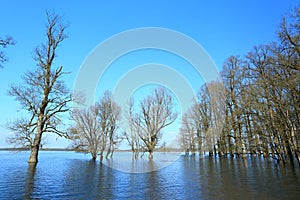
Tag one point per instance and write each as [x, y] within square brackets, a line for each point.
[69, 175]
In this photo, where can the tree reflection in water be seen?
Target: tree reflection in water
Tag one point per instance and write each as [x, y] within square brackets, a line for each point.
[30, 180]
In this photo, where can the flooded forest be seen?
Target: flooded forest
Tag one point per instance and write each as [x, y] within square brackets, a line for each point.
[258, 110]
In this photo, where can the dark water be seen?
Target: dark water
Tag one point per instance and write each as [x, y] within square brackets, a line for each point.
[68, 175]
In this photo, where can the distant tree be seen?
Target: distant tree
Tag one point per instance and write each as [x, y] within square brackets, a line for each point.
[110, 115]
[4, 43]
[43, 95]
[202, 124]
[188, 137]
[132, 134]
[156, 112]
[234, 74]
[217, 111]
[163, 147]
[86, 133]
[95, 127]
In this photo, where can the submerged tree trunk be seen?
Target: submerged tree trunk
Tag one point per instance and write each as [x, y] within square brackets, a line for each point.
[34, 154]
[244, 152]
[101, 157]
[94, 155]
[36, 143]
[108, 153]
[150, 155]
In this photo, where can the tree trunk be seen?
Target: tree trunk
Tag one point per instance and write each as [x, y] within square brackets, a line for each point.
[36, 143]
[215, 151]
[94, 155]
[150, 155]
[297, 155]
[244, 152]
[35, 149]
[112, 153]
[108, 152]
[101, 157]
[34, 154]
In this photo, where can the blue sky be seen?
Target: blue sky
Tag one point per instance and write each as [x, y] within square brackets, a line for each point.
[223, 28]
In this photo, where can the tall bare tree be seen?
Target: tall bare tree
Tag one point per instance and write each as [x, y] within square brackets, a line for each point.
[233, 74]
[217, 113]
[43, 95]
[156, 112]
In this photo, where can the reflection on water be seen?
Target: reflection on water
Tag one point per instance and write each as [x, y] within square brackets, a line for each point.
[124, 163]
[29, 187]
[67, 175]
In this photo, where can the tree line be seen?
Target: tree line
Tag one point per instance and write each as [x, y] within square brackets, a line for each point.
[259, 106]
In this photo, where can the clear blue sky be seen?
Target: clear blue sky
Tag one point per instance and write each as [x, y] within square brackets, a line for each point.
[223, 28]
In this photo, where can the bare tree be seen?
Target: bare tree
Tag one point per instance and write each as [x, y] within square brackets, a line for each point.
[217, 113]
[86, 134]
[110, 115]
[188, 133]
[233, 74]
[43, 95]
[156, 113]
[4, 43]
[132, 134]
[95, 128]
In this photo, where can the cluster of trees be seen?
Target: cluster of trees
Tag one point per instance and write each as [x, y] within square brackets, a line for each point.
[260, 105]
[203, 123]
[95, 127]
[45, 100]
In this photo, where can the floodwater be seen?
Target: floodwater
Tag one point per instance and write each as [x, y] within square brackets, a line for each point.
[69, 175]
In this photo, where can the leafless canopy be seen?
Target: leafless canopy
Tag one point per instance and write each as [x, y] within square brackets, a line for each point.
[95, 129]
[202, 124]
[156, 112]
